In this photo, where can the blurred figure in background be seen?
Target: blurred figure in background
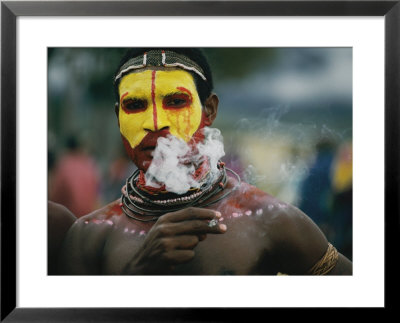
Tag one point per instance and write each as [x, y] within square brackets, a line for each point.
[342, 206]
[75, 180]
[316, 189]
[326, 193]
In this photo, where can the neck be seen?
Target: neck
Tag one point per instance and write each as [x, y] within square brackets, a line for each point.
[137, 201]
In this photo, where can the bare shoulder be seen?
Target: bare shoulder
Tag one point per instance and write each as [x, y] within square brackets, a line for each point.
[294, 241]
[85, 240]
[297, 241]
[300, 244]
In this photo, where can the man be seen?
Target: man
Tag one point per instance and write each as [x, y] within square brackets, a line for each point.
[216, 225]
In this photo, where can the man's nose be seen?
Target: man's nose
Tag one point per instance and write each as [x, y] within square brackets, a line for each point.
[156, 118]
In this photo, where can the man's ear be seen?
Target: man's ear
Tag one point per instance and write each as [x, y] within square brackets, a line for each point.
[116, 109]
[211, 109]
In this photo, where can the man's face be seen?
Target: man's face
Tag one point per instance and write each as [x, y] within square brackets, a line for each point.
[153, 104]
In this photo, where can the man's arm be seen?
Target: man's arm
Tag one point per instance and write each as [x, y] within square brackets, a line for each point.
[301, 248]
[82, 250]
[343, 267]
[59, 220]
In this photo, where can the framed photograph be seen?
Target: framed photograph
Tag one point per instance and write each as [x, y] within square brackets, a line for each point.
[299, 82]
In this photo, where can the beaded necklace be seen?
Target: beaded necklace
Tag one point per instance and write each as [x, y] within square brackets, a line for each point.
[139, 203]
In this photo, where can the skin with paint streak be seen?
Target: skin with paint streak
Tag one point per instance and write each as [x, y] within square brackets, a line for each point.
[153, 104]
[256, 234]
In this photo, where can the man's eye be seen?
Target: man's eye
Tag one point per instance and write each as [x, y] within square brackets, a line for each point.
[134, 105]
[176, 101]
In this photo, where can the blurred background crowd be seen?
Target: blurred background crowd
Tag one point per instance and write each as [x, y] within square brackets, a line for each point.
[285, 115]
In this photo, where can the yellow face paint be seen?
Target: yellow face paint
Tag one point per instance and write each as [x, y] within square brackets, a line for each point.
[155, 100]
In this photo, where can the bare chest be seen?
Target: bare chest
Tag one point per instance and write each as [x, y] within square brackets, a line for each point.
[239, 251]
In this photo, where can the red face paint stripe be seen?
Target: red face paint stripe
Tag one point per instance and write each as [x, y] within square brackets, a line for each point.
[186, 91]
[153, 98]
[122, 97]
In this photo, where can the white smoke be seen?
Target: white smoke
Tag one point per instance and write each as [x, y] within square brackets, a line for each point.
[171, 167]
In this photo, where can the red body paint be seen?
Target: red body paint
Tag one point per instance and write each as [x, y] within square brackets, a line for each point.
[153, 98]
[183, 89]
[198, 136]
[123, 95]
[238, 204]
[113, 210]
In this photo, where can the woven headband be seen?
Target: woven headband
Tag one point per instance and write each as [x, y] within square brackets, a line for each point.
[154, 58]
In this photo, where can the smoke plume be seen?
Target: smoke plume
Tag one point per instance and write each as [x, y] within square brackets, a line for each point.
[174, 161]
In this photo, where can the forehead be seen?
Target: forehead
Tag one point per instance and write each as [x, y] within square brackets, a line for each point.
[163, 80]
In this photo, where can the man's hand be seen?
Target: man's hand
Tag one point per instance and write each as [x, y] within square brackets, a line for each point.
[172, 239]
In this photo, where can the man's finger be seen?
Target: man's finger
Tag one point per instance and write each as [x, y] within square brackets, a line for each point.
[191, 227]
[190, 213]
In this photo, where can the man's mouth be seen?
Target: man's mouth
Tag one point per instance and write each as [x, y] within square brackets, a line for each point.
[149, 148]
[149, 142]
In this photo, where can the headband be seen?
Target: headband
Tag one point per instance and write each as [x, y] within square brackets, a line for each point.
[160, 58]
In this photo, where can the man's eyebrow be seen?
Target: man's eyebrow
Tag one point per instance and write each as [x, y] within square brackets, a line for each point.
[131, 97]
[181, 90]
[175, 93]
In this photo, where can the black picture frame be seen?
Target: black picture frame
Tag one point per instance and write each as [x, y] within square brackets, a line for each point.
[10, 10]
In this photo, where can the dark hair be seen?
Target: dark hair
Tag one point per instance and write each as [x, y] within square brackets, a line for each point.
[204, 88]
